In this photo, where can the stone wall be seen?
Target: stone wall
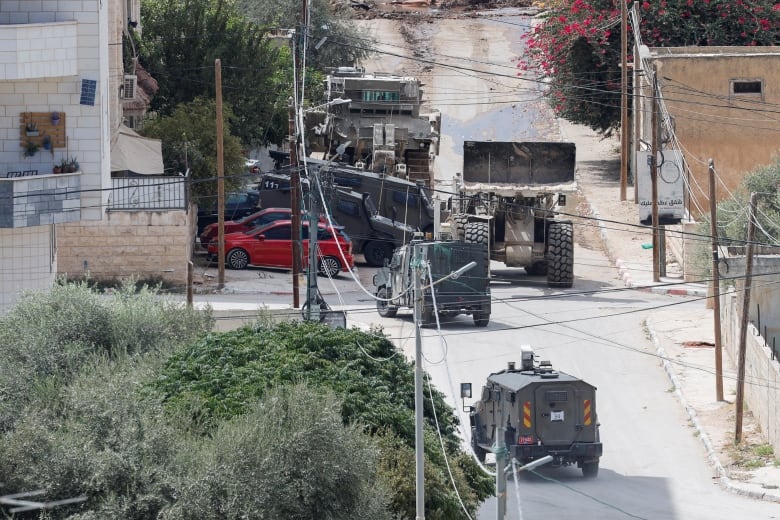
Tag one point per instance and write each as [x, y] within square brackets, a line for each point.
[762, 373]
[149, 245]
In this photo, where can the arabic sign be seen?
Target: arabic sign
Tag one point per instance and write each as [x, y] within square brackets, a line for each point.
[671, 186]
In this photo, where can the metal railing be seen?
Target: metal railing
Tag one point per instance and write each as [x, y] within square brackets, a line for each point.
[148, 193]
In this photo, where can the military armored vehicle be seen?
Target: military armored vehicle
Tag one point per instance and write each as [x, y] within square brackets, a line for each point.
[468, 293]
[395, 198]
[373, 235]
[507, 197]
[544, 412]
[379, 126]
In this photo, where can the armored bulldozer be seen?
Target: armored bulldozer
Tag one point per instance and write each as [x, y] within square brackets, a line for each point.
[468, 293]
[543, 412]
[507, 197]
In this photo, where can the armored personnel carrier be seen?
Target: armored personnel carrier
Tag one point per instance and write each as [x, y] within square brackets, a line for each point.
[543, 412]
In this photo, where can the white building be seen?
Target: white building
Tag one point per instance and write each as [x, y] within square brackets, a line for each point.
[62, 91]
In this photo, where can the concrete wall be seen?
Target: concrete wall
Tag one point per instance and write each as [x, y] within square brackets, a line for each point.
[710, 120]
[27, 262]
[153, 245]
[762, 374]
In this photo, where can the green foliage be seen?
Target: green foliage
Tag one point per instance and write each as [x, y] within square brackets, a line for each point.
[189, 139]
[288, 456]
[47, 337]
[733, 214]
[100, 436]
[182, 40]
[346, 44]
[576, 46]
[223, 374]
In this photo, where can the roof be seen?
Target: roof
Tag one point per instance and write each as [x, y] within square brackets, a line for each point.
[515, 380]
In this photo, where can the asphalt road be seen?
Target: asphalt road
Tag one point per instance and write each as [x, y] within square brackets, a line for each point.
[653, 466]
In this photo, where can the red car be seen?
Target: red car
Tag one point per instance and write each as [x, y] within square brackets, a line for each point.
[271, 246]
[256, 219]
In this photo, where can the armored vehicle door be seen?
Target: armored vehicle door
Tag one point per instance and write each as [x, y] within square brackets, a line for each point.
[401, 273]
[557, 413]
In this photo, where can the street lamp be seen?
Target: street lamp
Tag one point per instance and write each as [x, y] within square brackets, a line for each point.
[418, 372]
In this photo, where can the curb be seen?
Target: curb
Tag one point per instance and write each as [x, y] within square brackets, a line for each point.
[625, 274]
[722, 475]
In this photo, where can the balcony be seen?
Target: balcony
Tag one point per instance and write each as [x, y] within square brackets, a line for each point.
[37, 200]
[38, 50]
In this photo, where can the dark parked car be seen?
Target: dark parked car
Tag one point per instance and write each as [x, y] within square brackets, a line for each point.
[237, 205]
[271, 246]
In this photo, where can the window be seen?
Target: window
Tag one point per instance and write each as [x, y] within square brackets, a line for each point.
[348, 208]
[278, 233]
[742, 87]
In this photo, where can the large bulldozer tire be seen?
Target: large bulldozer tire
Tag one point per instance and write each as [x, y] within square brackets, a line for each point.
[459, 221]
[476, 233]
[560, 255]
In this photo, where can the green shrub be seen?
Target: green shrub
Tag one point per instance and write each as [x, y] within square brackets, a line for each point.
[289, 457]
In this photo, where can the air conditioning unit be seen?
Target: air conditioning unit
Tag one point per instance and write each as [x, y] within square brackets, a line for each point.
[129, 85]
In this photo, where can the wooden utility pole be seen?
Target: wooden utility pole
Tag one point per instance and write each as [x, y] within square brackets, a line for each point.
[220, 179]
[744, 321]
[295, 205]
[636, 120]
[654, 179]
[623, 99]
[716, 285]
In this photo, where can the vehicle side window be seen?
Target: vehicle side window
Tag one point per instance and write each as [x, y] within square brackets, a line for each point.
[268, 218]
[324, 234]
[404, 198]
[235, 199]
[278, 233]
[348, 208]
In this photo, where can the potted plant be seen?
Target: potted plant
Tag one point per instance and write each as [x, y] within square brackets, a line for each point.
[57, 169]
[31, 129]
[55, 118]
[71, 165]
[30, 148]
[46, 142]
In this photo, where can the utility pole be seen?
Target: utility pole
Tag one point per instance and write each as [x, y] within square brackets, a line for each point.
[295, 205]
[744, 320]
[716, 285]
[312, 291]
[638, 65]
[220, 179]
[654, 178]
[419, 437]
[623, 99]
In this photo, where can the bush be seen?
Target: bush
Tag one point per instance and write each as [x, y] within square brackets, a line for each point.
[48, 336]
[289, 457]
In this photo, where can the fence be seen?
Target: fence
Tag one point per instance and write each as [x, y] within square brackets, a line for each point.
[148, 193]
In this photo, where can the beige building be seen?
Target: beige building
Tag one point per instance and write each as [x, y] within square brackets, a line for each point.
[63, 87]
[723, 104]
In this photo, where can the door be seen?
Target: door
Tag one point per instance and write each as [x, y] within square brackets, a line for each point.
[275, 250]
[556, 413]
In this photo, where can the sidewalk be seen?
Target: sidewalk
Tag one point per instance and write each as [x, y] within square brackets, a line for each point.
[683, 338]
